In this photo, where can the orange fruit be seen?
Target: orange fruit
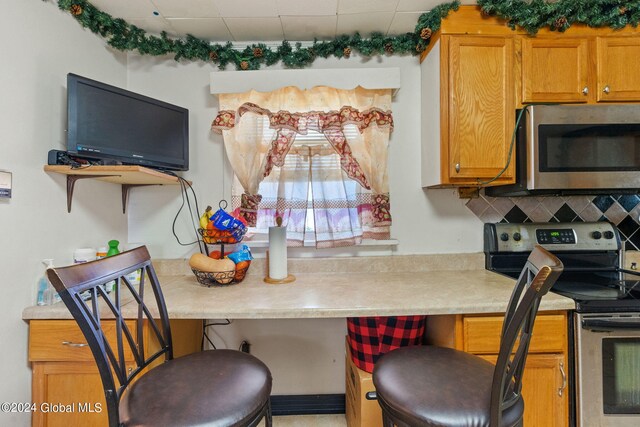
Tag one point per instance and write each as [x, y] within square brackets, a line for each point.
[241, 270]
[215, 254]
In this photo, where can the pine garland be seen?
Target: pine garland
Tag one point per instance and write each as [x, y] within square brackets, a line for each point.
[560, 15]
[531, 16]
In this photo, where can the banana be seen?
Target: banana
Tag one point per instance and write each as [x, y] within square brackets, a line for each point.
[204, 218]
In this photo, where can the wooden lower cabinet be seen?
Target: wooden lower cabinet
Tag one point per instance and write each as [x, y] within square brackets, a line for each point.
[544, 390]
[545, 387]
[66, 386]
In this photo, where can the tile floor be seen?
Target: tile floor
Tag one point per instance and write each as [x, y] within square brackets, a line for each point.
[309, 421]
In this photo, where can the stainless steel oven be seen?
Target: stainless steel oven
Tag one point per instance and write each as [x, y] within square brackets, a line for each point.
[605, 349]
[608, 369]
[567, 149]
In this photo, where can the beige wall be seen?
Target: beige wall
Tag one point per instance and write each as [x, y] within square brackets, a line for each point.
[39, 46]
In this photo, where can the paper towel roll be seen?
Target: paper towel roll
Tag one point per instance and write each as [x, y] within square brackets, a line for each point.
[278, 253]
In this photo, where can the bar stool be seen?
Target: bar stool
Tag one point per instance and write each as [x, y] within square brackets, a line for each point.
[428, 386]
[215, 388]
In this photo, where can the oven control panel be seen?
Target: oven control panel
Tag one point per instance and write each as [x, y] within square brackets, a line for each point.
[555, 236]
[573, 236]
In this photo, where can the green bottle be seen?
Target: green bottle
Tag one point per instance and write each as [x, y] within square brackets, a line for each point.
[113, 248]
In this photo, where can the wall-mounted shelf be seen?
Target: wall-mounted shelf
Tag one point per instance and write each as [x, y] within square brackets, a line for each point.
[127, 176]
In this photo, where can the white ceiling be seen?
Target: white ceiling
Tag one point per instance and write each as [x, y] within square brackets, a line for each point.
[269, 20]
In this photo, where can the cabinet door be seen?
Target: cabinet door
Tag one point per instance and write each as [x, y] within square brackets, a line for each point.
[544, 390]
[618, 64]
[554, 70]
[68, 394]
[481, 108]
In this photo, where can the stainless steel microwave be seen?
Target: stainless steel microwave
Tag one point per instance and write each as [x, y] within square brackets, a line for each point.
[576, 149]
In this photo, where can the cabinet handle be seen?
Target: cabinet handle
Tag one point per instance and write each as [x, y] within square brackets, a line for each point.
[457, 167]
[564, 379]
[606, 89]
[74, 344]
[585, 90]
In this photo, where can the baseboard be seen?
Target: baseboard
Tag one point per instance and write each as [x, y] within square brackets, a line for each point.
[306, 404]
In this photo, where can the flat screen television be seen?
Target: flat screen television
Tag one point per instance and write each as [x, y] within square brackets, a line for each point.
[109, 123]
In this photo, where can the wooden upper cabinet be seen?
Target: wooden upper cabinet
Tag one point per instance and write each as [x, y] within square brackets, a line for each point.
[618, 65]
[555, 70]
[481, 107]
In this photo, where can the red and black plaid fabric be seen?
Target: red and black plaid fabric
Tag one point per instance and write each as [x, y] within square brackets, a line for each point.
[371, 337]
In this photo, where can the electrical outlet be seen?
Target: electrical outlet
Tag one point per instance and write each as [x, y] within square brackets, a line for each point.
[244, 347]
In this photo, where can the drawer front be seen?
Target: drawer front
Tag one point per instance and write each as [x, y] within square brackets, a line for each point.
[482, 334]
[62, 340]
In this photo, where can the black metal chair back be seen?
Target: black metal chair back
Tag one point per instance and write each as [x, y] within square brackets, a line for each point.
[77, 282]
[540, 272]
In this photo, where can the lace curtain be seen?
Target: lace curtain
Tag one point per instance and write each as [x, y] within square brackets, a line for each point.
[348, 178]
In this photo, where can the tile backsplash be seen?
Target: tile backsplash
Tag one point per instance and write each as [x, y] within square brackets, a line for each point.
[621, 210]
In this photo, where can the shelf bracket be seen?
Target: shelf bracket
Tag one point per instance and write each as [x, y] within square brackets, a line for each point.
[71, 182]
[125, 193]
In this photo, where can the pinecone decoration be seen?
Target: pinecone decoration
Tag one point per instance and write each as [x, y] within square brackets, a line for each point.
[425, 33]
[76, 10]
[213, 56]
[622, 10]
[244, 65]
[257, 52]
[346, 52]
[560, 23]
[419, 48]
[388, 48]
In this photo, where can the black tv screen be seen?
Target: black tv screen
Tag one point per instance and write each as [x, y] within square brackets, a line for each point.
[109, 123]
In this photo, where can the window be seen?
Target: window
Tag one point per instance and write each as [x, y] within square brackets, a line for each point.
[321, 167]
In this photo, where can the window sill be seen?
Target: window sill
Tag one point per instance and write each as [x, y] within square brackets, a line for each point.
[264, 243]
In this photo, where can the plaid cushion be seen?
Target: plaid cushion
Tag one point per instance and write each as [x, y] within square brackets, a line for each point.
[371, 337]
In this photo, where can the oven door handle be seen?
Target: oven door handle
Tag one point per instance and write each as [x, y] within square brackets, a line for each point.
[608, 325]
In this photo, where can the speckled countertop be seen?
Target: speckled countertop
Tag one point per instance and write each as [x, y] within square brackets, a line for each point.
[337, 287]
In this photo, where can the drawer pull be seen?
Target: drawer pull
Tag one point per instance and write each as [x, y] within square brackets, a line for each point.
[74, 344]
[564, 379]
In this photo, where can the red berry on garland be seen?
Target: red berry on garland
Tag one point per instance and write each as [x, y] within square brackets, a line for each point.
[76, 10]
[346, 52]
[244, 65]
[425, 33]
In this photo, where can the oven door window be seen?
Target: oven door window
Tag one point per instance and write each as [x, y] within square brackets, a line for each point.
[589, 148]
[621, 375]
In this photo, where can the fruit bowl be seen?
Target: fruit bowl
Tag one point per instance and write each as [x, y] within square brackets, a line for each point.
[222, 236]
[220, 278]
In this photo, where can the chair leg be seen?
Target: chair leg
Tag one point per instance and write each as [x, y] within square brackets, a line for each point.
[386, 420]
[267, 417]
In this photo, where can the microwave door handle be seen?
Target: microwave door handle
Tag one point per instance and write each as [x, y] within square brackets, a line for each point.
[608, 325]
